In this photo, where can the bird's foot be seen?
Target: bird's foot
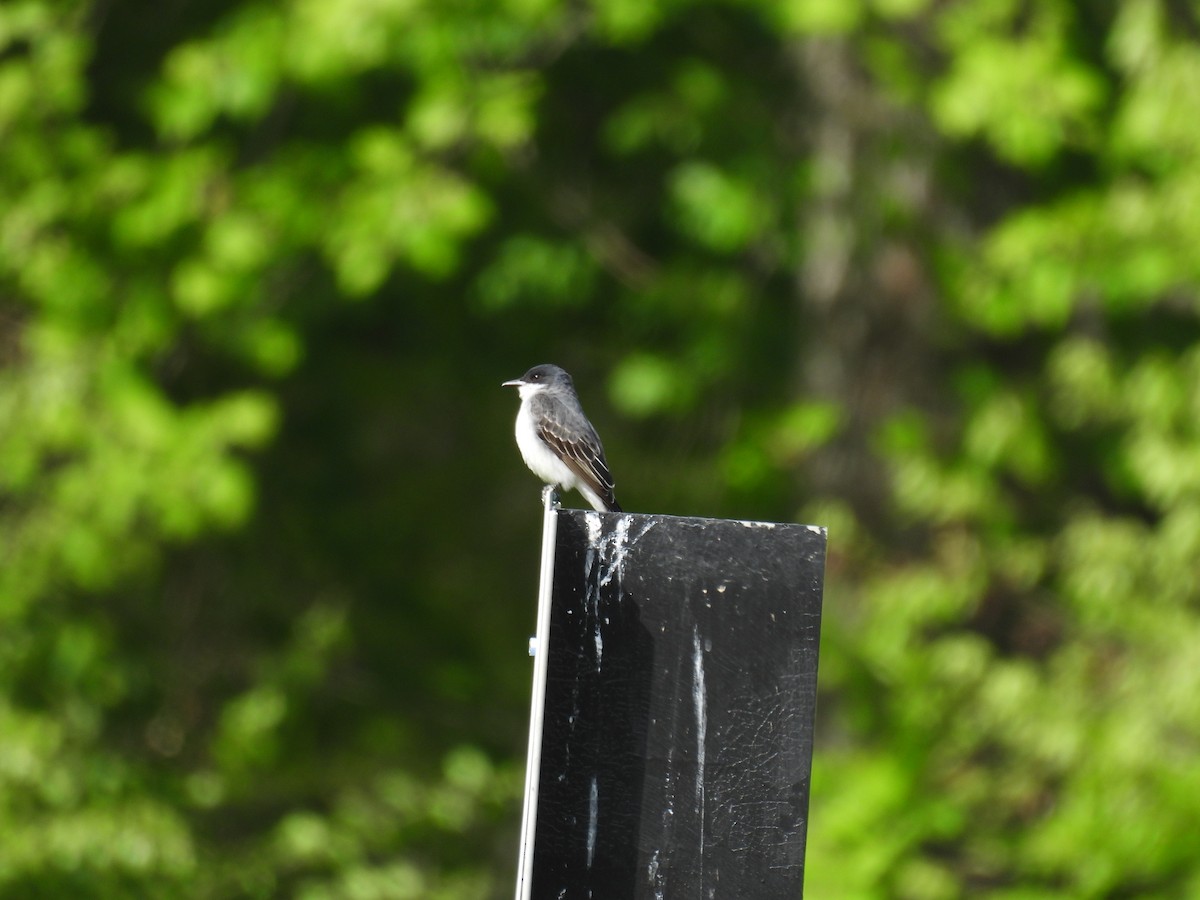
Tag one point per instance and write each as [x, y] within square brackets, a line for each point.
[550, 497]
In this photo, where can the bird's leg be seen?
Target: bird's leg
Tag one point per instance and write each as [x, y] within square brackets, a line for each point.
[550, 496]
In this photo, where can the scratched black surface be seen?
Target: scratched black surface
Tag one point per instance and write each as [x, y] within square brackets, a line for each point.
[680, 695]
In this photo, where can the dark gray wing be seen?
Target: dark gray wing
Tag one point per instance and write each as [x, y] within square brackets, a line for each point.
[572, 437]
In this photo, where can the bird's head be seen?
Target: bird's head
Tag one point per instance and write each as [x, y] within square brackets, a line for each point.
[540, 378]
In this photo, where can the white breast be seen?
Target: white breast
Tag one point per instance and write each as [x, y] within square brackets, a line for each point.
[540, 458]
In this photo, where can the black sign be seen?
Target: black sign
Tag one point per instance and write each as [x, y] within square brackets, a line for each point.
[681, 686]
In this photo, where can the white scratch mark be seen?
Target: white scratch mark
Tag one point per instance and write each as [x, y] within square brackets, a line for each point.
[612, 547]
[700, 701]
[604, 560]
[653, 876]
[593, 811]
[620, 536]
[593, 526]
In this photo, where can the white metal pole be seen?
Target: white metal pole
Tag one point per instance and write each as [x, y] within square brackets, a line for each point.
[540, 649]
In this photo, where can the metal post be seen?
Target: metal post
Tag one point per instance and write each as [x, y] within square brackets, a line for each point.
[538, 648]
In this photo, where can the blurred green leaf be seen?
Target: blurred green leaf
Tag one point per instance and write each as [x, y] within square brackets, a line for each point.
[716, 209]
[645, 385]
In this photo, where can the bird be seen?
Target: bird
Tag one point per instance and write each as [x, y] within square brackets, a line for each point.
[557, 441]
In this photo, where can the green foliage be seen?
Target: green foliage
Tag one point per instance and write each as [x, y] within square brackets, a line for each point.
[925, 273]
[1013, 80]
[1060, 587]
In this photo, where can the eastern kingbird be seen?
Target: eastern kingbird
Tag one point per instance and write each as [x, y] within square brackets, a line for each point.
[557, 441]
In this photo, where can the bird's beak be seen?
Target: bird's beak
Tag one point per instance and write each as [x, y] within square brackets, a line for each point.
[516, 382]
